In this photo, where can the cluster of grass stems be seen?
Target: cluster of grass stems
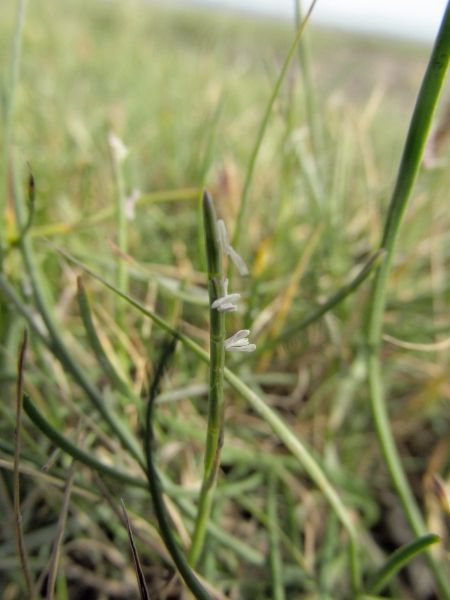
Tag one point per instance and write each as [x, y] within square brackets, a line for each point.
[271, 470]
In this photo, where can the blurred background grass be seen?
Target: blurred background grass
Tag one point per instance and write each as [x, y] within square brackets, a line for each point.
[185, 90]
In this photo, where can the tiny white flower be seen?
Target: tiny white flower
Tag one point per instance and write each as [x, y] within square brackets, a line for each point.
[130, 201]
[239, 342]
[228, 249]
[225, 302]
[118, 148]
[223, 235]
[239, 262]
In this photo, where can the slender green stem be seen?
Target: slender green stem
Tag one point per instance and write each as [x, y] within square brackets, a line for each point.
[276, 563]
[409, 165]
[205, 166]
[262, 130]
[23, 554]
[214, 436]
[9, 117]
[62, 519]
[312, 106]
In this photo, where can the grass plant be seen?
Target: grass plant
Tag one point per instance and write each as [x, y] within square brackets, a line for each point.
[305, 469]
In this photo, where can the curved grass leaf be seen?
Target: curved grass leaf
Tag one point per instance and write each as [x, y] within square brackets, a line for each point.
[399, 559]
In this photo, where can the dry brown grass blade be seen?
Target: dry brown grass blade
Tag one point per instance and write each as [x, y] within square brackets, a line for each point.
[17, 514]
[54, 560]
[137, 565]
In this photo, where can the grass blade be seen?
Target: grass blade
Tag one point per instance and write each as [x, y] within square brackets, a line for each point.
[54, 561]
[399, 559]
[143, 591]
[17, 513]
[9, 117]
[214, 437]
[409, 166]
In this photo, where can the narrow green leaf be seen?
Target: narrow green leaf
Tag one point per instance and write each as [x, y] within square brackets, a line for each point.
[399, 559]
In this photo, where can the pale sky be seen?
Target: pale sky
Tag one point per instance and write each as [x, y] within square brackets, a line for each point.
[415, 19]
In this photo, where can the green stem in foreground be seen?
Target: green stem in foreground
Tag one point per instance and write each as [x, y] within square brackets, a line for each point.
[410, 162]
[214, 437]
[9, 118]
[23, 554]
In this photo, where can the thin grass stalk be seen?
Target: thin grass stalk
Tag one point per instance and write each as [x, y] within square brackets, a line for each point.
[328, 551]
[262, 130]
[214, 436]
[276, 562]
[409, 166]
[54, 561]
[310, 97]
[206, 164]
[23, 555]
[8, 122]
[270, 416]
